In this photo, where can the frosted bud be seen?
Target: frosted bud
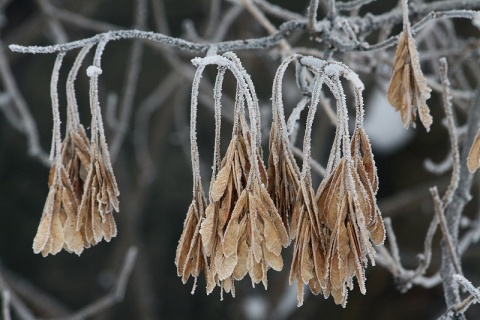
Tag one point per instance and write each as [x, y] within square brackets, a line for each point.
[93, 71]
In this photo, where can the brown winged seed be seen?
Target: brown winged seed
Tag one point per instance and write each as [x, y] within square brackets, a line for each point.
[57, 225]
[408, 90]
[95, 213]
[309, 264]
[76, 158]
[350, 217]
[242, 231]
[190, 258]
[473, 159]
[283, 175]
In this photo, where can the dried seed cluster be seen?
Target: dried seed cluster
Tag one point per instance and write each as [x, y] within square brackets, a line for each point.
[83, 193]
[408, 90]
[252, 213]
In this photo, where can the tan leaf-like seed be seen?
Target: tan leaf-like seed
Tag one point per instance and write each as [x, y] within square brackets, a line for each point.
[408, 90]
[473, 159]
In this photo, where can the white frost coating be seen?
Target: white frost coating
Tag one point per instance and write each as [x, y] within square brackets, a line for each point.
[295, 116]
[476, 20]
[334, 69]
[342, 70]
[467, 285]
[354, 78]
[93, 71]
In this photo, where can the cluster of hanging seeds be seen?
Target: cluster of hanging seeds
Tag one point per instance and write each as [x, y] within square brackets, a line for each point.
[408, 90]
[83, 193]
[252, 213]
[240, 229]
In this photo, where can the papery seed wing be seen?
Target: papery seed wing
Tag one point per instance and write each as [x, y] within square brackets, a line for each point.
[421, 91]
[423, 110]
[307, 259]
[85, 203]
[377, 233]
[241, 268]
[315, 286]
[190, 260]
[95, 213]
[299, 292]
[343, 241]
[257, 275]
[230, 240]
[48, 247]
[219, 186]
[340, 295]
[338, 269]
[272, 162]
[56, 232]
[280, 229]
[43, 231]
[357, 257]
[297, 215]
[274, 261]
[226, 204]
[227, 266]
[363, 193]
[51, 175]
[473, 159]
[73, 238]
[330, 195]
[396, 86]
[207, 230]
[367, 159]
[320, 262]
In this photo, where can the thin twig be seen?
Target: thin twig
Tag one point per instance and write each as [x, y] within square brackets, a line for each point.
[213, 18]
[17, 304]
[78, 20]
[247, 44]
[439, 211]
[277, 11]
[474, 294]
[227, 20]
[6, 305]
[453, 212]
[317, 167]
[29, 127]
[312, 15]
[115, 296]
[33, 296]
[59, 33]
[392, 240]
[131, 79]
[150, 104]
[352, 5]
[447, 103]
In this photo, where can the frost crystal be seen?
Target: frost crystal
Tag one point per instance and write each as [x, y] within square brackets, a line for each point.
[93, 71]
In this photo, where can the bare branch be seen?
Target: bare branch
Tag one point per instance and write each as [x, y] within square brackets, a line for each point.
[6, 305]
[439, 211]
[29, 126]
[17, 304]
[115, 296]
[474, 292]
[131, 79]
[352, 5]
